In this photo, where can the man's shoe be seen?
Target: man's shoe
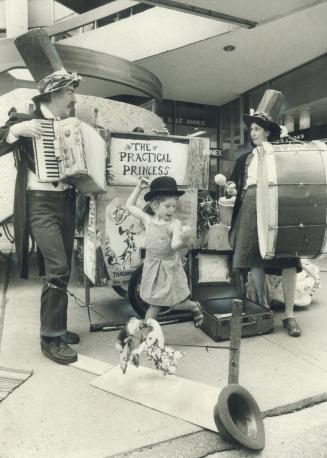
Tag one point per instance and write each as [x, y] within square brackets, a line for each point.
[70, 338]
[56, 350]
[292, 327]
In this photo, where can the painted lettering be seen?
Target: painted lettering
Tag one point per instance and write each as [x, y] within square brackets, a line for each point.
[126, 169]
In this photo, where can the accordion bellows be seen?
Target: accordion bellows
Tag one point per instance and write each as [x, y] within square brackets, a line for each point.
[73, 152]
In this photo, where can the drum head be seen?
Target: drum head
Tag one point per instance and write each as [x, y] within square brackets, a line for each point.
[262, 203]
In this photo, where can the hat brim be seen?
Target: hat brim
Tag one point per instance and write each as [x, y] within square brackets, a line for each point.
[73, 82]
[161, 192]
[238, 417]
[273, 126]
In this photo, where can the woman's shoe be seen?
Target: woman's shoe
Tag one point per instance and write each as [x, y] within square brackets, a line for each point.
[292, 327]
[198, 315]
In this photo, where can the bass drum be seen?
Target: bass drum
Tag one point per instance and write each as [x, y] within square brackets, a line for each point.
[292, 200]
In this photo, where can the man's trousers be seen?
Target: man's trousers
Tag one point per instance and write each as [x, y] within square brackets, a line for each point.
[51, 219]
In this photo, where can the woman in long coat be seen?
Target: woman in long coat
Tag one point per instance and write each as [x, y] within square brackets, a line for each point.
[243, 234]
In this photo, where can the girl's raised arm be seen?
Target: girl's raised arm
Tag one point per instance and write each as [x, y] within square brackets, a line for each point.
[181, 235]
[131, 201]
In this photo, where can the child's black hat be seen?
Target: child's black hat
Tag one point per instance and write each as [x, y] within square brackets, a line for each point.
[163, 186]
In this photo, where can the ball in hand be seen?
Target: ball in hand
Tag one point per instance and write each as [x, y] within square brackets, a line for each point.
[185, 231]
[220, 179]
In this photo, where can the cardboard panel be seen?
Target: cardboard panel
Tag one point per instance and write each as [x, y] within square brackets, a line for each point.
[175, 396]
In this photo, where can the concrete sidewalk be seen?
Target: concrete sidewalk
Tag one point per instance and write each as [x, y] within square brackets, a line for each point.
[57, 413]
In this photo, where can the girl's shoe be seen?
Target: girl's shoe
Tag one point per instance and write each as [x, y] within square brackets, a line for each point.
[198, 315]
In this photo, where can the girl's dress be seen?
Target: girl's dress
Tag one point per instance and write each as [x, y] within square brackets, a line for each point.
[164, 280]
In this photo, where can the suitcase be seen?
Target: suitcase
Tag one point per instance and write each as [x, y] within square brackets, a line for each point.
[217, 320]
[213, 283]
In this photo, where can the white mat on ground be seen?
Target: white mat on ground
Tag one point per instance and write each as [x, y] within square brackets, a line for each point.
[91, 365]
[175, 396]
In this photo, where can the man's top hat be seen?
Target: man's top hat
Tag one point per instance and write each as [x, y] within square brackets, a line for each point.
[163, 186]
[267, 112]
[43, 61]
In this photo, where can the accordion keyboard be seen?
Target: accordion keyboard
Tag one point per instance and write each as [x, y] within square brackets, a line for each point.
[45, 153]
[71, 151]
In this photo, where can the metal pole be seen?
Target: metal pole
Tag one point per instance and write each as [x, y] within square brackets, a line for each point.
[169, 319]
[235, 342]
[87, 290]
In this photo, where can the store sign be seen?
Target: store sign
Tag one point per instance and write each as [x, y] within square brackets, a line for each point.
[186, 121]
[147, 156]
[303, 135]
[299, 136]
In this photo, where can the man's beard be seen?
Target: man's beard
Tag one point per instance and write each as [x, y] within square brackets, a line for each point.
[72, 110]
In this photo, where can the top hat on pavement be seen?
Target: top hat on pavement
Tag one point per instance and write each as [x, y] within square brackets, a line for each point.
[43, 61]
[163, 186]
[267, 112]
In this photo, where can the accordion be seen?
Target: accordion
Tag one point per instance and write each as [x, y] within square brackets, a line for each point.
[73, 152]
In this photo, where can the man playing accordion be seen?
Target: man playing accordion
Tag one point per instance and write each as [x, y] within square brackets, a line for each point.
[44, 211]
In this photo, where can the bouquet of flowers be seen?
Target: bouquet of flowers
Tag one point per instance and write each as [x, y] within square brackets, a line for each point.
[208, 215]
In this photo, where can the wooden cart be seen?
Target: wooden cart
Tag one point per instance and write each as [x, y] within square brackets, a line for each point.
[114, 239]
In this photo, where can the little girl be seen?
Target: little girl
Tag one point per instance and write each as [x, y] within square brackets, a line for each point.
[164, 282]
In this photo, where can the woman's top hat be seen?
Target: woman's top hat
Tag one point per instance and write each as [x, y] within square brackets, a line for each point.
[44, 63]
[267, 112]
[163, 186]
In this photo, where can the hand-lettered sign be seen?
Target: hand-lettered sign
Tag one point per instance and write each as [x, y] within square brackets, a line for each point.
[133, 155]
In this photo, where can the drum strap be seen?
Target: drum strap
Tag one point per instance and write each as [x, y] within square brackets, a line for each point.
[247, 165]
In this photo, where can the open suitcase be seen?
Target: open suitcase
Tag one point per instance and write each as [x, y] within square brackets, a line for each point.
[214, 285]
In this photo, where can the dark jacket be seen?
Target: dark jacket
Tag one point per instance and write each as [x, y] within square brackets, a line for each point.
[238, 176]
[24, 159]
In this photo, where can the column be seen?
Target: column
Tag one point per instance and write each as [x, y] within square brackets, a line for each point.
[304, 120]
[289, 122]
[16, 17]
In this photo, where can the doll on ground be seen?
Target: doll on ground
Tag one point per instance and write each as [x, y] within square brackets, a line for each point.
[128, 341]
[164, 282]
[140, 336]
